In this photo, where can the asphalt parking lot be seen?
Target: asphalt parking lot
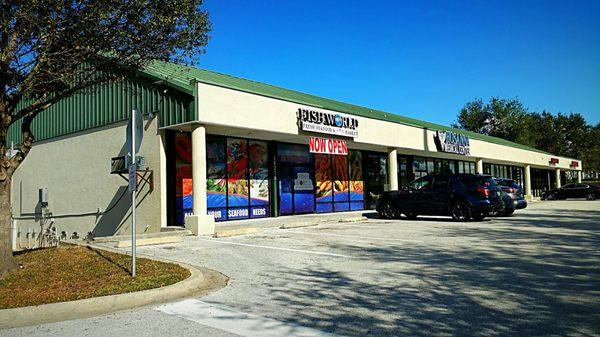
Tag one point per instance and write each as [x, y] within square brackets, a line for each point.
[535, 273]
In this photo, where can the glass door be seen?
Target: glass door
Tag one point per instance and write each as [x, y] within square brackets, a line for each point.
[375, 175]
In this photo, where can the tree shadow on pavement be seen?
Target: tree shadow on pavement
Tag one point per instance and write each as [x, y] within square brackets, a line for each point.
[537, 275]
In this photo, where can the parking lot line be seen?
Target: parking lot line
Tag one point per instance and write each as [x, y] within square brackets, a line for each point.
[275, 248]
[364, 238]
[236, 322]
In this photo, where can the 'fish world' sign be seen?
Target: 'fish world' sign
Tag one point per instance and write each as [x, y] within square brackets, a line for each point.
[452, 142]
[326, 122]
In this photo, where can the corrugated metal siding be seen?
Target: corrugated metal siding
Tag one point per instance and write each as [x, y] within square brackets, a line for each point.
[106, 104]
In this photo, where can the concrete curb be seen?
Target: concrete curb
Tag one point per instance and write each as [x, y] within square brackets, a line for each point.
[298, 225]
[201, 282]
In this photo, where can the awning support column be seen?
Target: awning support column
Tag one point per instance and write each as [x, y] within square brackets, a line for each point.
[527, 182]
[558, 184]
[479, 166]
[200, 222]
[393, 169]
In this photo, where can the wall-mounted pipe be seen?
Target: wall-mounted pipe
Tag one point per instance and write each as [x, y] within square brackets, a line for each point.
[13, 230]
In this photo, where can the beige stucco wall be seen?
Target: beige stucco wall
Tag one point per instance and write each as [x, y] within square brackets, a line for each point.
[227, 107]
[76, 170]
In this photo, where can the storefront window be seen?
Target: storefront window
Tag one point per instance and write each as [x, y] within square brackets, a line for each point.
[296, 179]
[216, 177]
[237, 178]
[259, 179]
[375, 177]
[183, 177]
[339, 180]
[357, 185]
[419, 167]
[403, 172]
[505, 171]
[324, 188]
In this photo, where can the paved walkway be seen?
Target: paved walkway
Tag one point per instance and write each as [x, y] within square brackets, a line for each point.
[536, 273]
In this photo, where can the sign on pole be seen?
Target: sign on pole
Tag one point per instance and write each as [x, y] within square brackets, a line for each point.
[132, 178]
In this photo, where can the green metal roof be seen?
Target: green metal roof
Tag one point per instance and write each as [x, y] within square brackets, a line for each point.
[184, 77]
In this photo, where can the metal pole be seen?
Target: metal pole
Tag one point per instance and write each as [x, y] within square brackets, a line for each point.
[133, 194]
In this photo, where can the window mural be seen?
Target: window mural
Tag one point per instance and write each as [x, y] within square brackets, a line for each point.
[237, 178]
[259, 179]
[183, 177]
[357, 185]
[340, 185]
[216, 182]
[324, 190]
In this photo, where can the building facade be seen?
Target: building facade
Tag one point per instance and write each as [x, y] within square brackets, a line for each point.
[221, 148]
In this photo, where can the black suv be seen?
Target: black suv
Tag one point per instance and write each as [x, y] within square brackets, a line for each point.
[463, 196]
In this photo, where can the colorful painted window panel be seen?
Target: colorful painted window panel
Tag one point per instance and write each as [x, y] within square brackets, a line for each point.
[304, 194]
[237, 173]
[324, 207]
[357, 205]
[324, 188]
[341, 206]
[183, 176]
[357, 185]
[340, 178]
[293, 154]
[259, 173]
[216, 185]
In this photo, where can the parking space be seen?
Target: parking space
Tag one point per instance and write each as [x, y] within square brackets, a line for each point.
[535, 273]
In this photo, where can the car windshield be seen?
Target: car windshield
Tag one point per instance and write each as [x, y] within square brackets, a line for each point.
[478, 181]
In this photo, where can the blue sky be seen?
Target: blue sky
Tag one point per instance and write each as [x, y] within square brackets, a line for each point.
[423, 59]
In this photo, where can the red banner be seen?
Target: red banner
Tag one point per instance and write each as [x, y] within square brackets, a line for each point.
[329, 146]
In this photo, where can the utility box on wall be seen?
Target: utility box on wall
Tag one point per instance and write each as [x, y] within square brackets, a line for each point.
[43, 196]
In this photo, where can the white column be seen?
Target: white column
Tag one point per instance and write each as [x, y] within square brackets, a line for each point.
[162, 156]
[528, 182]
[557, 178]
[199, 223]
[480, 166]
[579, 177]
[199, 170]
[393, 169]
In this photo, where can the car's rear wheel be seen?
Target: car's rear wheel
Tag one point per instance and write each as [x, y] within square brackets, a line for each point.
[551, 196]
[508, 212]
[388, 211]
[460, 211]
[590, 196]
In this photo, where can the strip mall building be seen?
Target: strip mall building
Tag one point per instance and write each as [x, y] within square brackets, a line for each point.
[224, 148]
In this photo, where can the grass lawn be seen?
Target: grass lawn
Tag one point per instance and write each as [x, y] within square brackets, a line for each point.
[73, 272]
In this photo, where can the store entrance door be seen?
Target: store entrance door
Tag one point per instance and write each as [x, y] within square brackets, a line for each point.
[296, 189]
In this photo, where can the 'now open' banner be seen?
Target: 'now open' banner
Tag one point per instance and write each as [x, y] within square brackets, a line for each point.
[329, 146]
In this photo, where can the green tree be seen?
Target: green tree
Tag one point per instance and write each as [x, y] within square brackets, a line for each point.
[52, 49]
[499, 117]
[591, 155]
[567, 135]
